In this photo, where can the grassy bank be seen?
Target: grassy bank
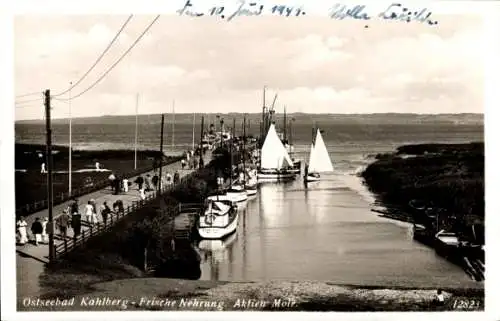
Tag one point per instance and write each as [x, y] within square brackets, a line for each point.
[437, 185]
[31, 185]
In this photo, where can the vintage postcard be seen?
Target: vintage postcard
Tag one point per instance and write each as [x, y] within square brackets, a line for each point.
[249, 156]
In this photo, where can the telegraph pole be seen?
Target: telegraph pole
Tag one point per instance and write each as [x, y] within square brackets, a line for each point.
[49, 174]
[161, 151]
[173, 124]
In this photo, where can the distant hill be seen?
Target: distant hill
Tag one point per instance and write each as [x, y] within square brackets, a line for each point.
[300, 118]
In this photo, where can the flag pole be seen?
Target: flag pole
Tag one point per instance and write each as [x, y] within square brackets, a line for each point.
[135, 144]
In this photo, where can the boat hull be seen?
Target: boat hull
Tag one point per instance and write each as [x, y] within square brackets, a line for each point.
[251, 191]
[312, 178]
[274, 177]
[216, 232]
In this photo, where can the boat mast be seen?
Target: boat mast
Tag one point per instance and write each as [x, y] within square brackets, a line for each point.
[244, 149]
[263, 127]
[231, 153]
[284, 124]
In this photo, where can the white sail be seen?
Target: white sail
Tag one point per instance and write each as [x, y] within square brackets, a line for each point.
[274, 154]
[320, 161]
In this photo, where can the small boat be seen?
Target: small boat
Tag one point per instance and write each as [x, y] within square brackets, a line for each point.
[275, 163]
[237, 193]
[296, 166]
[319, 160]
[219, 219]
[251, 186]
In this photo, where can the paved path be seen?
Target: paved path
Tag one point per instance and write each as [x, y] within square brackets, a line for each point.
[41, 252]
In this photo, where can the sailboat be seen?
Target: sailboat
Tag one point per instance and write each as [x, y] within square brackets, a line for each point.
[275, 163]
[319, 160]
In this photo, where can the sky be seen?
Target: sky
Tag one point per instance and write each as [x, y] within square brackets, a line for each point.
[314, 64]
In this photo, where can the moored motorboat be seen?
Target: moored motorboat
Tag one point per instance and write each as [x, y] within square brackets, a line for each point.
[219, 219]
[237, 193]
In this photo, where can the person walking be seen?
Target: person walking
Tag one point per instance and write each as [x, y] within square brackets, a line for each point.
[169, 179]
[45, 236]
[76, 224]
[89, 211]
[37, 230]
[176, 177]
[42, 169]
[105, 211]
[139, 181]
[74, 206]
[111, 179]
[62, 223]
[183, 163]
[21, 229]
[125, 185]
[154, 180]
[94, 211]
[148, 183]
[117, 185]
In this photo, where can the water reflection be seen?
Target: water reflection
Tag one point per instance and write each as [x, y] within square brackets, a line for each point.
[215, 252]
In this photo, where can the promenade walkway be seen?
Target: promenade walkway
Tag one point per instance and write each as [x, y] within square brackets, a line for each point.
[41, 252]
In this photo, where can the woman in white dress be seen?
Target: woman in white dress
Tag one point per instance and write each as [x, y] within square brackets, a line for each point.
[21, 228]
[89, 212]
[45, 236]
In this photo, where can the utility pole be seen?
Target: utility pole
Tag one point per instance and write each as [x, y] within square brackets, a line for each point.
[70, 169]
[49, 174]
[173, 124]
[135, 144]
[194, 119]
[201, 139]
[161, 151]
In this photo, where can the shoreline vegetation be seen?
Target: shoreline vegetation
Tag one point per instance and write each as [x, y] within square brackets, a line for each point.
[31, 190]
[440, 186]
[136, 259]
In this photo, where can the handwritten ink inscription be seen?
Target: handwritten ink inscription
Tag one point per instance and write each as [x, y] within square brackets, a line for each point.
[339, 11]
[397, 11]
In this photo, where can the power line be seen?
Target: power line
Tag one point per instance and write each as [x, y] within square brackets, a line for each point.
[99, 58]
[28, 101]
[29, 94]
[116, 62]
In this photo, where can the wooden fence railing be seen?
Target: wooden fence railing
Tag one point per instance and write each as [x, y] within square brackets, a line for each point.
[69, 244]
[62, 197]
